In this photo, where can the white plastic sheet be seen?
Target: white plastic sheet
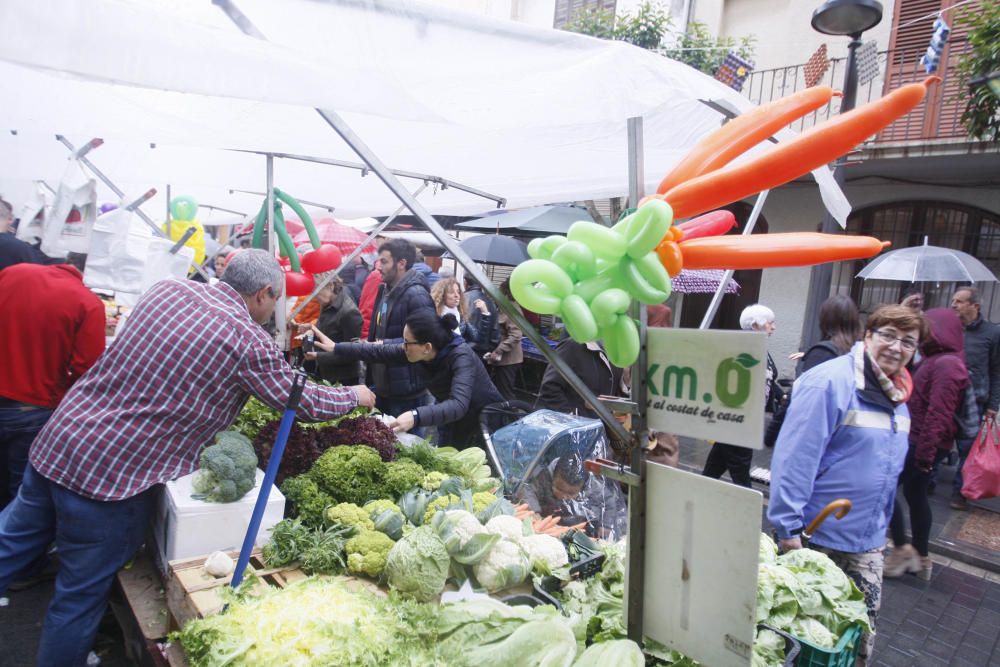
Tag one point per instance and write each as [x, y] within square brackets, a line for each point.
[534, 115]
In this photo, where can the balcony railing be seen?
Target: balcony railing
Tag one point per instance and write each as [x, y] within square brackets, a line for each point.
[937, 117]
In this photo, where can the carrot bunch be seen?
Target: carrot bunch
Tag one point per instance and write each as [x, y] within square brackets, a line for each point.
[544, 525]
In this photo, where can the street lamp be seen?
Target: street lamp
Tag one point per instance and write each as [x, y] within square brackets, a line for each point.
[842, 18]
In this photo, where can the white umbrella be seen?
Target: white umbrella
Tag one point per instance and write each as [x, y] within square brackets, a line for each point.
[927, 263]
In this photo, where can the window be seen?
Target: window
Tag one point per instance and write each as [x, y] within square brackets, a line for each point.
[566, 10]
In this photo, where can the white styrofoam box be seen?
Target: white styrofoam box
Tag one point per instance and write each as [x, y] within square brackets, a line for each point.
[185, 527]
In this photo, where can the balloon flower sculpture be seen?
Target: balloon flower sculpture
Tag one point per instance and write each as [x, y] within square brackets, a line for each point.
[183, 212]
[589, 277]
[323, 257]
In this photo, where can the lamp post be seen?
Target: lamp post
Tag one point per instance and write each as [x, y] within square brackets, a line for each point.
[843, 18]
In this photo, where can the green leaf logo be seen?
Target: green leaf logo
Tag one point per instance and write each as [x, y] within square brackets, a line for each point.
[747, 361]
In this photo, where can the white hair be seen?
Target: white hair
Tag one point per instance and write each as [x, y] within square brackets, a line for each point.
[755, 315]
[252, 269]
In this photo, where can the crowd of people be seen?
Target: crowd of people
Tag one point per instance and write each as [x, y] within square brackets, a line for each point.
[898, 393]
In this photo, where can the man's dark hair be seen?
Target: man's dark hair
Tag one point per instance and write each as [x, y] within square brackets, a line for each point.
[569, 468]
[401, 249]
[974, 296]
[77, 260]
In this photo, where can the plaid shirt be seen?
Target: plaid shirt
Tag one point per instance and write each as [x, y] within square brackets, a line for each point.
[189, 358]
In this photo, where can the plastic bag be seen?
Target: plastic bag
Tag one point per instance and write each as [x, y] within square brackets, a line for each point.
[981, 472]
[67, 227]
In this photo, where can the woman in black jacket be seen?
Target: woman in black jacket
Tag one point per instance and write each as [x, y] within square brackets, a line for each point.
[458, 380]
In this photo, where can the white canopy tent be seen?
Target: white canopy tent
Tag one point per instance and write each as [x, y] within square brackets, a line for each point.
[529, 114]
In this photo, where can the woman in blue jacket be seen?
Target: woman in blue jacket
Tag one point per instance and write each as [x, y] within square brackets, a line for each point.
[845, 436]
[458, 379]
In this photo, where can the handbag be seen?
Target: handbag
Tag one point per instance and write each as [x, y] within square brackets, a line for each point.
[981, 472]
[967, 416]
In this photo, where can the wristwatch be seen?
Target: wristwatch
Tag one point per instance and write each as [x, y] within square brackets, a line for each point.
[416, 417]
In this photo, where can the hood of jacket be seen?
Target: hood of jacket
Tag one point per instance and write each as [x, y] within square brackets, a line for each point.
[947, 333]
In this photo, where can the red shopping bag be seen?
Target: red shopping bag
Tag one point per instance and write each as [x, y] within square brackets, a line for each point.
[981, 472]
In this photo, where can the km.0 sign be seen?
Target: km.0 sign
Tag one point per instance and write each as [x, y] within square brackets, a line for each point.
[707, 384]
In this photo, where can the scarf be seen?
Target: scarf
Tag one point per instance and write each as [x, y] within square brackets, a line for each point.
[897, 388]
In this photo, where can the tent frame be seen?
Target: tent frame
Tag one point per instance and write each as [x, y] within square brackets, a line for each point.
[634, 477]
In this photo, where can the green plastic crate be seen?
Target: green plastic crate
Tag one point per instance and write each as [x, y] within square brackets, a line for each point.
[842, 655]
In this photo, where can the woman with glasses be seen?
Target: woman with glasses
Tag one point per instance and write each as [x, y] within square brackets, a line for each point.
[458, 380]
[846, 435]
[939, 385]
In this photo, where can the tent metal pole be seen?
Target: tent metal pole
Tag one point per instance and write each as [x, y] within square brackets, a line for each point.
[451, 245]
[364, 169]
[114, 188]
[280, 319]
[317, 204]
[720, 291]
[354, 253]
[636, 555]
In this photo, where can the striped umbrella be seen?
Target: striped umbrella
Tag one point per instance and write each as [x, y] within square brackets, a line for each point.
[332, 232]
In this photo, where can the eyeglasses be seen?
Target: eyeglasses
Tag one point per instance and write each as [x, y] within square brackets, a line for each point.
[411, 342]
[908, 344]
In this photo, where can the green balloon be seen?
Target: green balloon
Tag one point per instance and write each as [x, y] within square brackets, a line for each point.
[540, 286]
[183, 208]
[645, 280]
[602, 241]
[621, 341]
[608, 305]
[575, 259]
[578, 318]
[648, 227]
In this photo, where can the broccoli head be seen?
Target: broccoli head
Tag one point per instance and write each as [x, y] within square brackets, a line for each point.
[350, 474]
[367, 553]
[432, 480]
[376, 507]
[349, 514]
[401, 476]
[307, 501]
[482, 500]
[227, 470]
[441, 503]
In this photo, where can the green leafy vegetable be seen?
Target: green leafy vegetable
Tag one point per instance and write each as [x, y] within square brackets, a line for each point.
[350, 474]
[367, 553]
[228, 469]
[418, 565]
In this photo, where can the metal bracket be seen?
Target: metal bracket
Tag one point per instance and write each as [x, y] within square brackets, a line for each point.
[612, 470]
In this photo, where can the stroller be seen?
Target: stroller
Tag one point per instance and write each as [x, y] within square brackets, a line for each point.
[525, 448]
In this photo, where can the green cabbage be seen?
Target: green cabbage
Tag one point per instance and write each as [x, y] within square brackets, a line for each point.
[618, 652]
[542, 643]
[768, 649]
[418, 564]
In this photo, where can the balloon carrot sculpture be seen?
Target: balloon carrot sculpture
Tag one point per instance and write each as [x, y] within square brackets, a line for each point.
[323, 257]
[590, 276]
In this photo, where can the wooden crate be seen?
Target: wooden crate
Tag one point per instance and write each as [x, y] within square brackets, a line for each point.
[193, 593]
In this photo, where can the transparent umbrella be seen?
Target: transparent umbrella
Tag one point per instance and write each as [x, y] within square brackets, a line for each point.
[927, 263]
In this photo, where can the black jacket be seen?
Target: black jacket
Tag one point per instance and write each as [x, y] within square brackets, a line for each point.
[594, 369]
[398, 379]
[458, 380]
[982, 358]
[340, 320]
[482, 331]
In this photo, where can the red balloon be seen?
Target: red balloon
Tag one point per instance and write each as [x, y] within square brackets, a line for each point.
[326, 258]
[284, 261]
[298, 284]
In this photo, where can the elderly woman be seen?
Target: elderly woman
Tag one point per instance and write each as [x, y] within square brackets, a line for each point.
[846, 436]
[733, 458]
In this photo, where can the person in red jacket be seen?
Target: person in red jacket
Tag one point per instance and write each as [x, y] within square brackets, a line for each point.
[369, 291]
[53, 331]
[938, 389]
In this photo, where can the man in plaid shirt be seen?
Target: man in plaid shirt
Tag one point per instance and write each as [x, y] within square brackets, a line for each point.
[190, 356]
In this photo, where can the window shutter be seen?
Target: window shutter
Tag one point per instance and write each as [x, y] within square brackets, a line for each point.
[566, 10]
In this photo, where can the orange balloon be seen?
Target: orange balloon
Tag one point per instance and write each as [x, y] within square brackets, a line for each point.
[762, 251]
[817, 146]
[670, 257]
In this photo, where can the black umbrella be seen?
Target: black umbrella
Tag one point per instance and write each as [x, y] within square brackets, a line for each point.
[495, 249]
[533, 221]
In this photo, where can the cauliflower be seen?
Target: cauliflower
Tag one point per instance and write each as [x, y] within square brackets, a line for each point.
[464, 537]
[504, 566]
[432, 480]
[367, 553]
[401, 476]
[482, 500]
[307, 501]
[228, 469]
[507, 526]
[547, 553]
[350, 473]
[349, 514]
[440, 503]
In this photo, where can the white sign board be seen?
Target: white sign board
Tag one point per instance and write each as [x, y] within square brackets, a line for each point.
[707, 384]
[702, 550]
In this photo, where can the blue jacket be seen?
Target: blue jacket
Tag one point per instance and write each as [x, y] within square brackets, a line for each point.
[392, 308]
[842, 438]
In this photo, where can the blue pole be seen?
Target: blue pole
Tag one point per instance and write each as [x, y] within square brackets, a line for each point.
[287, 419]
